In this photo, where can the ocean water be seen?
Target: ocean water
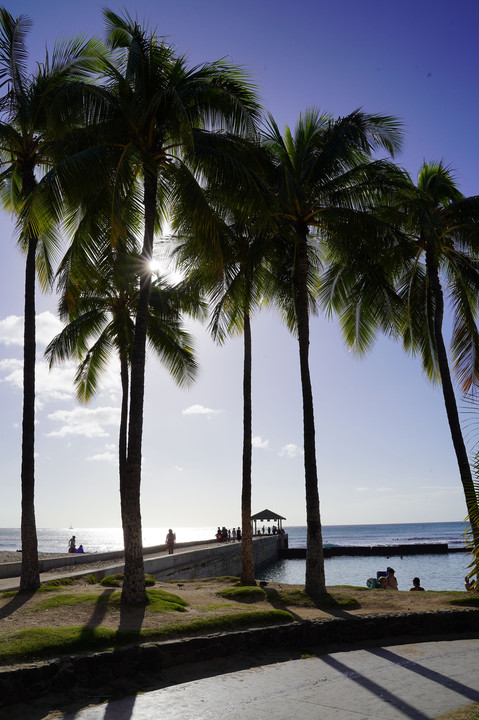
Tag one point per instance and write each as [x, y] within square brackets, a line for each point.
[54, 540]
[437, 572]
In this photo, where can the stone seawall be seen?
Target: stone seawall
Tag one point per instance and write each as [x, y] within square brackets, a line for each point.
[372, 550]
[222, 559]
[190, 560]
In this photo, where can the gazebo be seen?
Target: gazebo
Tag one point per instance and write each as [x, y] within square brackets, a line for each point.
[267, 516]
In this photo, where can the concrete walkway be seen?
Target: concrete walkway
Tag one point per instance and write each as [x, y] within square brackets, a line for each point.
[417, 681]
[113, 562]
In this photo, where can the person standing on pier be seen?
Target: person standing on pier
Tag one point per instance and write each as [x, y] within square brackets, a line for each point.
[170, 541]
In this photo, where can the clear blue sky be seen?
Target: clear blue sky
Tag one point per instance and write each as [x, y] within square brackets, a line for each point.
[384, 450]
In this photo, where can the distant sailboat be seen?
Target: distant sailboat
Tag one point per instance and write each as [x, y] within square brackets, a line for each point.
[71, 527]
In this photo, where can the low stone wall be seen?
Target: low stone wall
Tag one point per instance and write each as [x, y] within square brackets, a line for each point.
[195, 562]
[223, 559]
[135, 667]
[373, 550]
[77, 560]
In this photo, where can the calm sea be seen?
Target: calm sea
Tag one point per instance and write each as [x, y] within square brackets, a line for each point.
[437, 572]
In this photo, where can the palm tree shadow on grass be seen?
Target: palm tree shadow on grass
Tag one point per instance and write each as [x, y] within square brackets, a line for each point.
[99, 612]
[131, 622]
[17, 601]
[327, 604]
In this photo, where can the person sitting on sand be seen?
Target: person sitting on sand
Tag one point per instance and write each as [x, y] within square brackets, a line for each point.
[416, 584]
[383, 582]
[392, 580]
[80, 549]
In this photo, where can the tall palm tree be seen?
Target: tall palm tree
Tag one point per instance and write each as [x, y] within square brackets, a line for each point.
[100, 315]
[443, 227]
[428, 251]
[152, 123]
[33, 115]
[322, 178]
[236, 282]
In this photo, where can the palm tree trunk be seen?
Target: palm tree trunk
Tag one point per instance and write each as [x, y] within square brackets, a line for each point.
[450, 401]
[315, 584]
[30, 577]
[247, 559]
[133, 591]
[122, 443]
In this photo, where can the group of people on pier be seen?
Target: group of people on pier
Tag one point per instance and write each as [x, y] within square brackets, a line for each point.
[226, 535]
[270, 530]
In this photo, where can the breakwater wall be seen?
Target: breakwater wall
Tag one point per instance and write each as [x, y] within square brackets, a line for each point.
[371, 550]
[189, 560]
[77, 560]
[221, 559]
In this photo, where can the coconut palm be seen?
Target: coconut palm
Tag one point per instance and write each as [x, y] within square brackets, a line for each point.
[34, 113]
[235, 276]
[428, 250]
[443, 227]
[322, 179]
[151, 124]
[101, 323]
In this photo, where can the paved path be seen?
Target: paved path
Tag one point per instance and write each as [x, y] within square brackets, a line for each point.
[417, 681]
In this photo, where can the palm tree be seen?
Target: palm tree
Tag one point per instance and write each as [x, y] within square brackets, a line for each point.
[443, 227]
[100, 314]
[427, 250]
[235, 276]
[151, 123]
[33, 114]
[322, 179]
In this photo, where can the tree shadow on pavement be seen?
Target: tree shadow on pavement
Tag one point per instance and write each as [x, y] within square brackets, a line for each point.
[433, 675]
[374, 688]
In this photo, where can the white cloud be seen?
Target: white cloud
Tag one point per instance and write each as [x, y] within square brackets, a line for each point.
[362, 489]
[11, 330]
[178, 468]
[47, 326]
[103, 457]
[85, 422]
[200, 410]
[57, 383]
[384, 489]
[291, 450]
[259, 443]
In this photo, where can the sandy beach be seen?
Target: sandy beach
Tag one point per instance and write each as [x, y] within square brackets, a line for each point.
[7, 556]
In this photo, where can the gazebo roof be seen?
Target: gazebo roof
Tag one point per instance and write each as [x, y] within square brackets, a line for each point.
[267, 515]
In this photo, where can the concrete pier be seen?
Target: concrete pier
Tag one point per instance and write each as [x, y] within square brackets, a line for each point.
[189, 560]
